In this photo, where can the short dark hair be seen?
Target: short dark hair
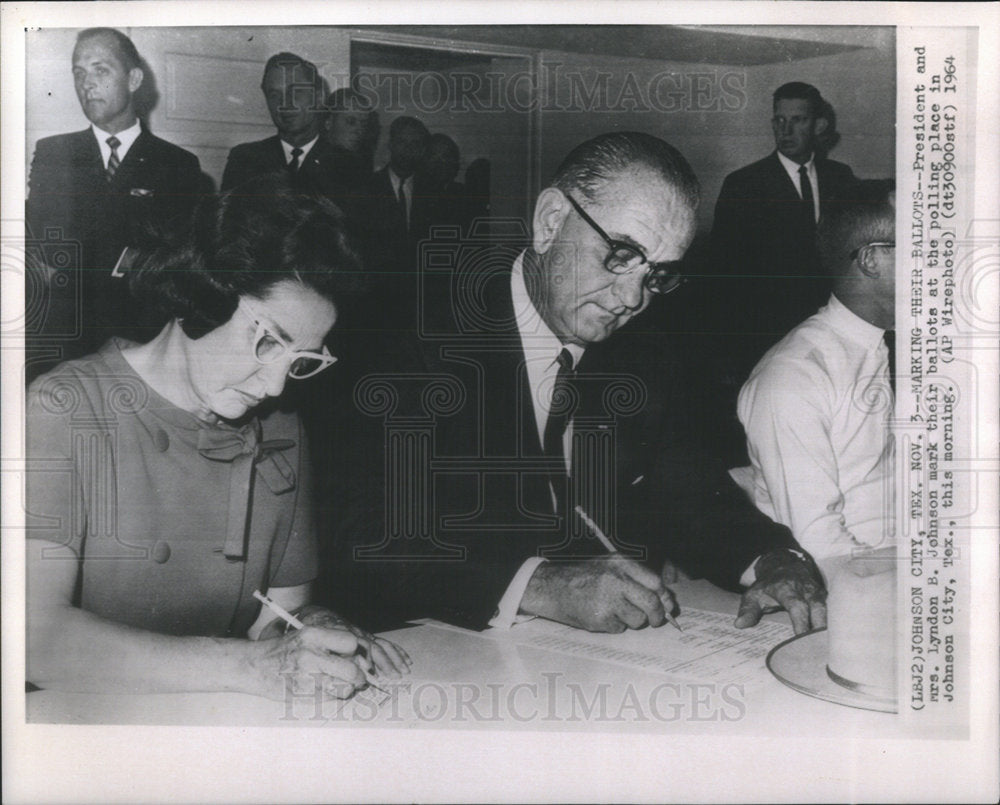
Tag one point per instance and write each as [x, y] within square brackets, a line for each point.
[346, 99]
[865, 217]
[407, 122]
[448, 143]
[800, 91]
[286, 60]
[124, 47]
[590, 165]
[243, 243]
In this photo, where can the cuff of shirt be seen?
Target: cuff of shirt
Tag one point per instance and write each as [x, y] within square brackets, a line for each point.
[506, 612]
[749, 576]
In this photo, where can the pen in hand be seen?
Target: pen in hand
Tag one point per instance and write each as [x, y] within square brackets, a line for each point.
[295, 623]
[595, 529]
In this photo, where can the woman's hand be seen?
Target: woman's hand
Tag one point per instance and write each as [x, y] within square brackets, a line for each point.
[305, 659]
[375, 654]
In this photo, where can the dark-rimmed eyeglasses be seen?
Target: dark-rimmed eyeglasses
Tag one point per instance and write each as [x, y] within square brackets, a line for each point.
[270, 348]
[883, 243]
[624, 258]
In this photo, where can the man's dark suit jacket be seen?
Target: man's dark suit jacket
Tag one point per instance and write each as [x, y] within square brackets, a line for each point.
[764, 239]
[78, 225]
[390, 248]
[438, 488]
[322, 171]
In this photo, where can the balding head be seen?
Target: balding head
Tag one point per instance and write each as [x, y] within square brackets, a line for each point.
[856, 241]
[608, 233]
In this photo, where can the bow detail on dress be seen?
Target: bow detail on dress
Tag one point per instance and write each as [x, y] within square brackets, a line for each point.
[244, 449]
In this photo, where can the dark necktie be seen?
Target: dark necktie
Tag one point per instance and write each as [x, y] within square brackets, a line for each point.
[564, 400]
[293, 166]
[113, 161]
[807, 193]
[401, 200]
[890, 341]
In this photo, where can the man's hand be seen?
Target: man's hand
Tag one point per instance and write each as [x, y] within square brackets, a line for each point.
[609, 594]
[785, 581]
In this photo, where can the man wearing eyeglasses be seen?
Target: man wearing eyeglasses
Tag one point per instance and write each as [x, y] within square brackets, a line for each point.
[816, 408]
[561, 479]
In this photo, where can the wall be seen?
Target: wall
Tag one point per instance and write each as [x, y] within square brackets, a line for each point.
[717, 116]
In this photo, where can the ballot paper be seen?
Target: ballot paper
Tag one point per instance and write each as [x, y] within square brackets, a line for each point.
[710, 649]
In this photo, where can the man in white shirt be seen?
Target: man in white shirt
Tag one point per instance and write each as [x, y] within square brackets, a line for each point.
[523, 400]
[91, 194]
[816, 408]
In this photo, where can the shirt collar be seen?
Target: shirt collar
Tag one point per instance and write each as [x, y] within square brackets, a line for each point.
[851, 325]
[287, 148]
[396, 180]
[126, 138]
[536, 337]
[792, 166]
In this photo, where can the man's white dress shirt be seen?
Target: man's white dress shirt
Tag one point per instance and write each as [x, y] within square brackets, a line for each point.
[816, 411]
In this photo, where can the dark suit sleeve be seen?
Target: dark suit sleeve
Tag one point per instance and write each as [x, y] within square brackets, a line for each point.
[727, 227]
[46, 207]
[187, 183]
[692, 513]
[238, 168]
[675, 498]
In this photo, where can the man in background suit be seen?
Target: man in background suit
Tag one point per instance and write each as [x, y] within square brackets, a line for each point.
[294, 92]
[519, 402]
[91, 194]
[394, 210]
[764, 232]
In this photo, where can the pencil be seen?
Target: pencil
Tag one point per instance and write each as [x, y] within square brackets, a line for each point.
[595, 529]
[294, 622]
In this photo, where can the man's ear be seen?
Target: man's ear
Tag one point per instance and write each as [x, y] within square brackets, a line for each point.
[868, 262]
[135, 76]
[551, 210]
[821, 125]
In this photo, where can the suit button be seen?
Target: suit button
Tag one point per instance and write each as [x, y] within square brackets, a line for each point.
[161, 552]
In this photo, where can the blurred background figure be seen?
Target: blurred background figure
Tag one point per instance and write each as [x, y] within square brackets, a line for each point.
[294, 91]
[443, 199]
[347, 128]
[477, 189]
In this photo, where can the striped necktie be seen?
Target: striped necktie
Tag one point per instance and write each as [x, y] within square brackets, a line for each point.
[113, 161]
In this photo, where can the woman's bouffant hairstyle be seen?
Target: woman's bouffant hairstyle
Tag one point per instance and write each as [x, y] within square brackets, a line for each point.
[243, 243]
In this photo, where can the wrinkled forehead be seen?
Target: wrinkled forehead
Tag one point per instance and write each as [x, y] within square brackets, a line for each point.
[642, 206]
